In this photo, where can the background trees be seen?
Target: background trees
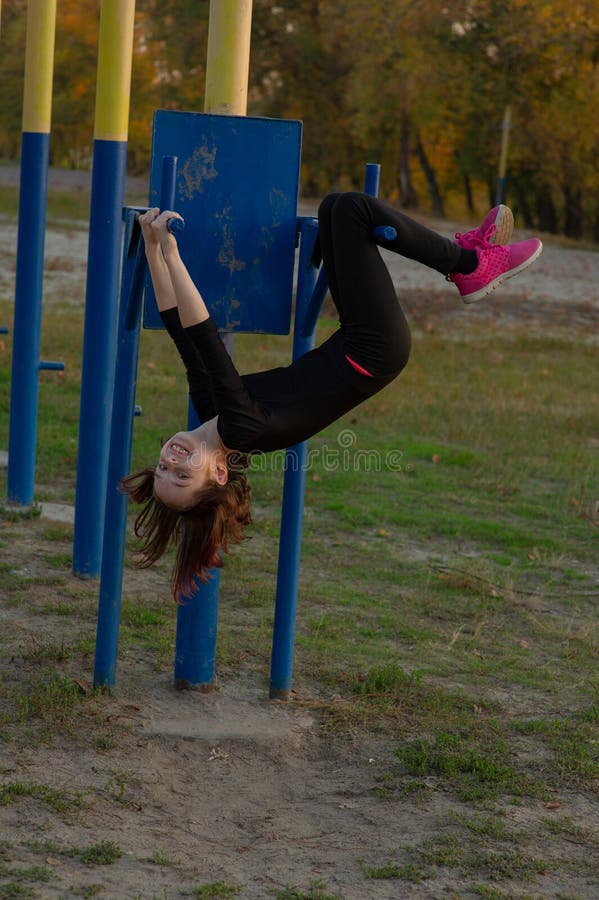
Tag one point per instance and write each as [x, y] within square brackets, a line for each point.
[418, 86]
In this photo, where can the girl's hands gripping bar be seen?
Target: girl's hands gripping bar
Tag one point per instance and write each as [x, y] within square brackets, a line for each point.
[160, 228]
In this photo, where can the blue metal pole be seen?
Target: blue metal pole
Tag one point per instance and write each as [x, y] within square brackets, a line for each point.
[121, 438]
[121, 435]
[293, 494]
[168, 182]
[33, 194]
[115, 52]
[383, 233]
[197, 622]
[99, 353]
[372, 177]
[311, 291]
[197, 616]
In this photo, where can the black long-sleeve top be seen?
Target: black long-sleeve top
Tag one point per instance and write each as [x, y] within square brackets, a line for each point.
[274, 409]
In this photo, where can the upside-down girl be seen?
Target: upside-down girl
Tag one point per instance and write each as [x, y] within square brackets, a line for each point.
[197, 495]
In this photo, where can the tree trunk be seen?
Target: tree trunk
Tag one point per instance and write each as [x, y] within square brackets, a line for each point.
[522, 199]
[546, 214]
[574, 215]
[408, 197]
[431, 179]
[468, 193]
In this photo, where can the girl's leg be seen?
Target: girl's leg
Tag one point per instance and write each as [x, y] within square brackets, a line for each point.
[359, 280]
[376, 336]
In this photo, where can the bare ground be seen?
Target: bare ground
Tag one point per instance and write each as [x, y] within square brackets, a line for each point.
[229, 787]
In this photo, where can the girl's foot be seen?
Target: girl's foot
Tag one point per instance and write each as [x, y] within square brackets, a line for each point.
[496, 264]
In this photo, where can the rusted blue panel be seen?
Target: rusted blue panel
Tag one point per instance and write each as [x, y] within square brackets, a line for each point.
[237, 189]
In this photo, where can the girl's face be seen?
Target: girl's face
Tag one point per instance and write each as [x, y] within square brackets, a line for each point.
[185, 465]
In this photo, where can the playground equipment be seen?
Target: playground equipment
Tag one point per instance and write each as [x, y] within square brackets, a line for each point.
[35, 147]
[226, 93]
[236, 187]
[112, 110]
[101, 300]
[505, 137]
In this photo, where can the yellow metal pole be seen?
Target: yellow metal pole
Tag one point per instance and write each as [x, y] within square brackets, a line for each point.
[228, 59]
[114, 70]
[39, 66]
[505, 137]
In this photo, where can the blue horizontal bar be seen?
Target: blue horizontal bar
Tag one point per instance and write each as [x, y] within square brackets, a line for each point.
[54, 366]
[175, 225]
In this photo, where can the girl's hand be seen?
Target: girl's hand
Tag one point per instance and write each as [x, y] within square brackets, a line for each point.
[155, 231]
[159, 226]
[150, 235]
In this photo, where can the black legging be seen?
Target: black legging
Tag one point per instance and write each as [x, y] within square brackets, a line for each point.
[376, 333]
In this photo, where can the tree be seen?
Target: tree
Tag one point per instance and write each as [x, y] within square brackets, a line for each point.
[299, 69]
[12, 66]
[417, 86]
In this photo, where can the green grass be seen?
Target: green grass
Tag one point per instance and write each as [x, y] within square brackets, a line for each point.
[13, 890]
[104, 853]
[478, 766]
[60, 801]
[158, 858]
[64, 207]
[475, 849]
[212, 891]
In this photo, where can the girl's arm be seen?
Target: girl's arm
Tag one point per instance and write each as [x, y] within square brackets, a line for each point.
[200, 386]
[189, 301]
[241, 420]
[163, 287]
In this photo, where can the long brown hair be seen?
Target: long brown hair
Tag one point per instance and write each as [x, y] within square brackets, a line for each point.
[202, 533]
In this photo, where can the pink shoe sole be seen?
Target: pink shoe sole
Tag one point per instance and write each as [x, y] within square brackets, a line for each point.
[504, 225]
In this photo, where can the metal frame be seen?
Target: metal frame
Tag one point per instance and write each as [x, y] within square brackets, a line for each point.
[197, 621]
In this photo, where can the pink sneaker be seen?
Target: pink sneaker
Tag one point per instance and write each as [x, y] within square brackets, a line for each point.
[496, 264]
[495, 228]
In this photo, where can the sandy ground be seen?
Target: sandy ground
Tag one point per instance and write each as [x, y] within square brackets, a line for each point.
[229, 786]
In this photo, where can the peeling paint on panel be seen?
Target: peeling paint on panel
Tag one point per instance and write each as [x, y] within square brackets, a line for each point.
[226, 254]
[196, 170]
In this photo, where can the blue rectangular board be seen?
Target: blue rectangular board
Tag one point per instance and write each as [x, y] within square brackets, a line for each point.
[237, 189]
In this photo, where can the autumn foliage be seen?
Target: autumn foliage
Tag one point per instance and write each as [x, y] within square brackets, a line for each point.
[420, 87]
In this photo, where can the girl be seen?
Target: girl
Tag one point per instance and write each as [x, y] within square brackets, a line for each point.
[198, 495]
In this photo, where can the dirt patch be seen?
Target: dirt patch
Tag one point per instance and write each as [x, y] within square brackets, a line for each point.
[228, 789]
